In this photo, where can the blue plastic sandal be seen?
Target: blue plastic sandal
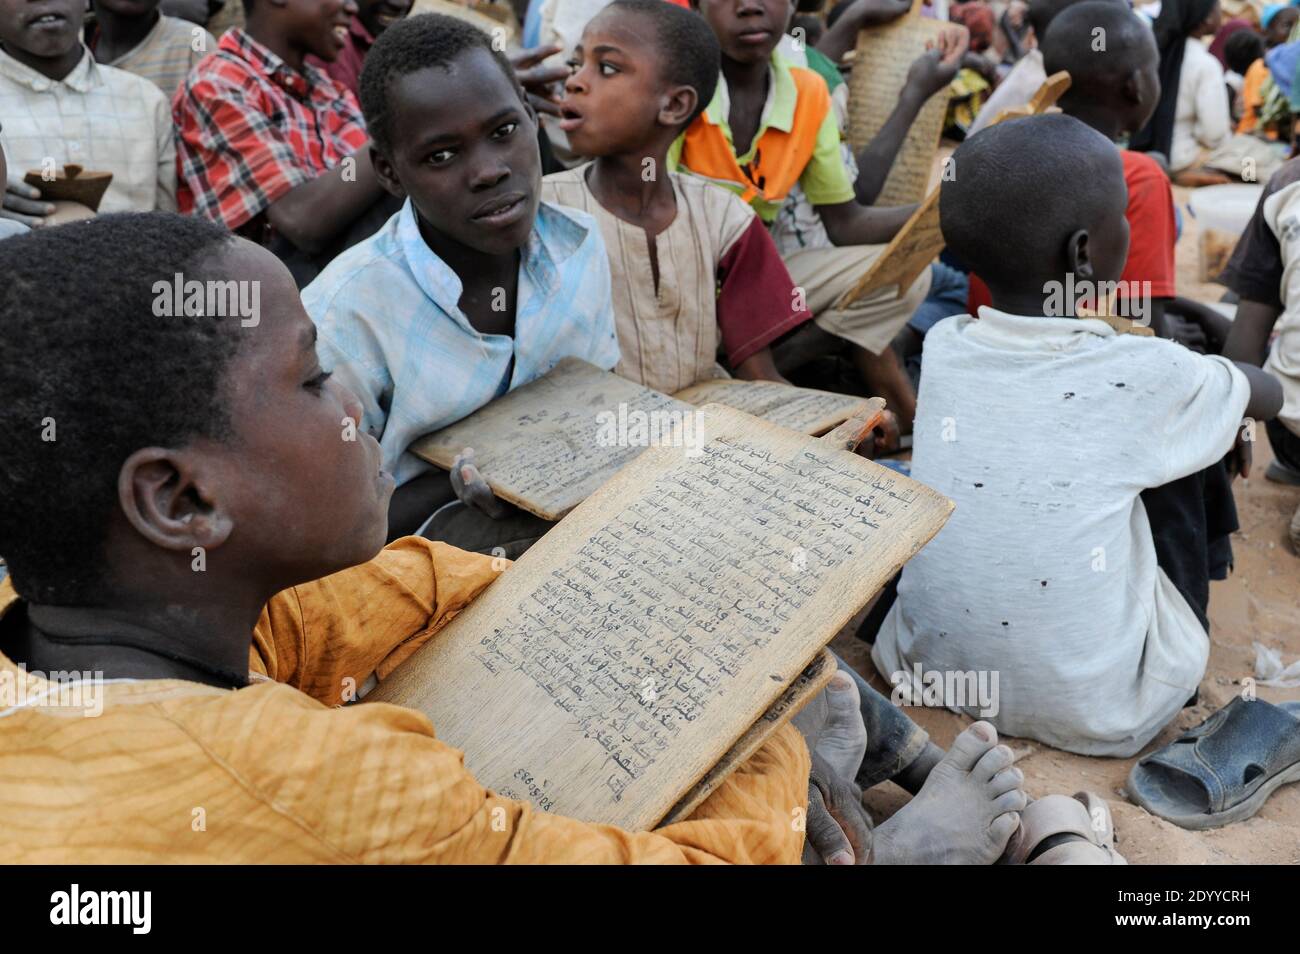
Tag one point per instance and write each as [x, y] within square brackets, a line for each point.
[1223, 770]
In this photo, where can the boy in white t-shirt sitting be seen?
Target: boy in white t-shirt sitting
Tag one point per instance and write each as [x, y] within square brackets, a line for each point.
[1045, 431]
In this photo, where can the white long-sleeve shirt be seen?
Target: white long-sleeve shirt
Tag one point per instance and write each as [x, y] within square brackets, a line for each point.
[99, 117]
[1201, 120]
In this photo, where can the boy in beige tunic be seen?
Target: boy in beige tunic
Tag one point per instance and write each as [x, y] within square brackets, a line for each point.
[693, 270]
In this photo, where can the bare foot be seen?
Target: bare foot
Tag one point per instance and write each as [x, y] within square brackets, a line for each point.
[832, 725]
[912, 779]
[964, 814]
[843, 740]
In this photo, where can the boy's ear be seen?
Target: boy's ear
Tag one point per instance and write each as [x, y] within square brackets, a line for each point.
[678, 105]
[168, 504]
[387, 177]
[1133, 87]
[1077, 255]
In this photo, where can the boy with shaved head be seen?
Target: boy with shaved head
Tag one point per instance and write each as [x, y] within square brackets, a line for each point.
[1115, 91]
[1019, 86]
[1044, 428]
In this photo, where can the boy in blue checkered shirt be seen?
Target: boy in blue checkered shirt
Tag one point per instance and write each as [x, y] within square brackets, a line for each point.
[475, 287]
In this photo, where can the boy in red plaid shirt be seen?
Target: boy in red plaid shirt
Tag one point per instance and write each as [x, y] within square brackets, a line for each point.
[273, 148]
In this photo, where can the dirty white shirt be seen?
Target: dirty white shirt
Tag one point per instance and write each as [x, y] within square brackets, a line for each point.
[1282, 213]
[1201, 117]
[1044, 431]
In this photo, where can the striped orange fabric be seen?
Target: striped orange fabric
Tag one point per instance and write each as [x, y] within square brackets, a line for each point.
[173, 771]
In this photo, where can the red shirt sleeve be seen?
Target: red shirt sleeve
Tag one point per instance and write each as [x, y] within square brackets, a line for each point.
[240, 159]
[757, 302]
[977, 294]
[1152, 229]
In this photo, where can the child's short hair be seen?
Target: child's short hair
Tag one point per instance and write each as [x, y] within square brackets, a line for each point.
[813, 27]
[688, 52]
[1242, 49]
[89, 374]
[1019, 190]
[1041, 13]
[1070, 45]
[411, 45]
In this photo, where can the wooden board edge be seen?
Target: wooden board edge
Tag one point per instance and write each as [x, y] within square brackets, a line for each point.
[815, 428]
[502, 493]
[1050, 92]
[1043, 100]
[825, 425]
[884, 271]
[810, 681]
[855, 429]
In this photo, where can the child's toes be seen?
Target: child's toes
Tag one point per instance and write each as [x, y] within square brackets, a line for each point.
[1012, 801]
[992, 762]
[1006, 781]
[970, 745]
[1002, 828]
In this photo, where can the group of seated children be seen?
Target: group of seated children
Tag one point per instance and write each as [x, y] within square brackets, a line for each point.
[442, 270]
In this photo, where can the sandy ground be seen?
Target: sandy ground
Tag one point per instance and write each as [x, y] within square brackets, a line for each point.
[1259, 602]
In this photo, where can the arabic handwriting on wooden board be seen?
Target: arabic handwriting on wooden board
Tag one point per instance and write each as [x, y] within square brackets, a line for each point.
[543, 446]
[617, 662]
[880, 66]
[806, 410]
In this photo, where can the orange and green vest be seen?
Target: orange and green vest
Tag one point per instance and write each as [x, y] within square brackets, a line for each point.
[779, 156]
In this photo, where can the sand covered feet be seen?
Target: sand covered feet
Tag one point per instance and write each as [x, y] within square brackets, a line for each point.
[964, 814]
[842, 741]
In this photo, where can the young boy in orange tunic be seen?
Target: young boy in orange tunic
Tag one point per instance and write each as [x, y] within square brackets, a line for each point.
[218, 594]
[224, 523]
